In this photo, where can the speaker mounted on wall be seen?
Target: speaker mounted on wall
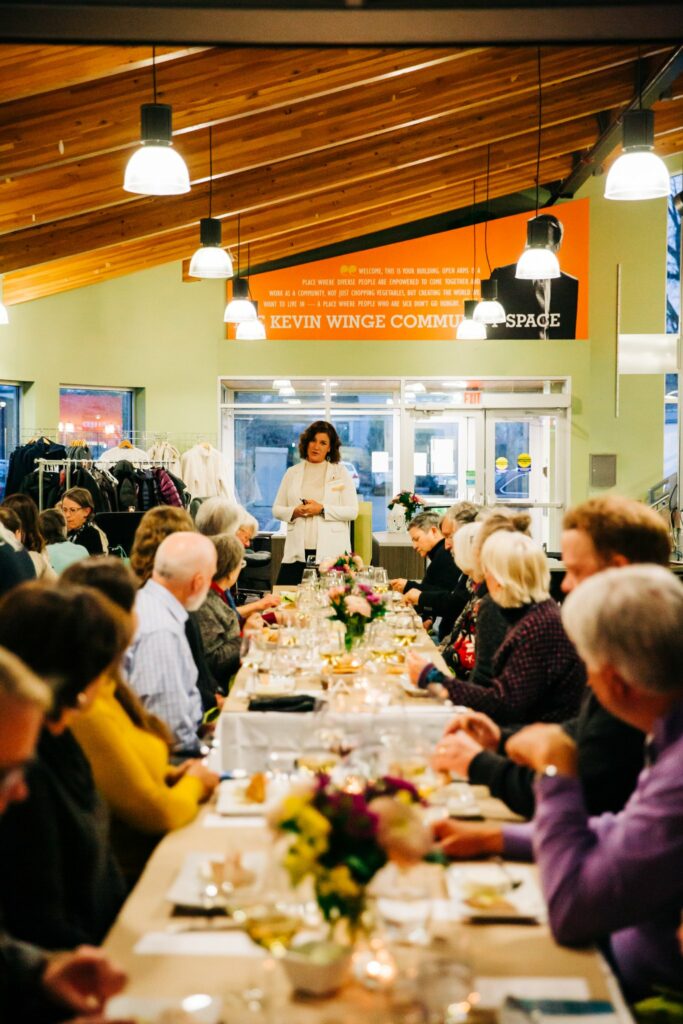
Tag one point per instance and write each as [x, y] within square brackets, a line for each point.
[603, 470]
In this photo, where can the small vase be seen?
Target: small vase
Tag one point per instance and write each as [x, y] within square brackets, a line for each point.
[352, 640]
[397, 519]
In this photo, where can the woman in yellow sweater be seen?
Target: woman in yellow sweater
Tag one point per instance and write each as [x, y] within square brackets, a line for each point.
[128, 750]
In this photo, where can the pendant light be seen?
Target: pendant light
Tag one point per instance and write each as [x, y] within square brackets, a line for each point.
[251, 330]
[468, 328]
[638, 173]
[240, 307]
[210, 260]
[4, 315]
[538, 262]
[156, 169]
[489, 310]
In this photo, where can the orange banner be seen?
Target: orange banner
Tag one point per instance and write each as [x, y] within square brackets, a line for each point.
[415, 290]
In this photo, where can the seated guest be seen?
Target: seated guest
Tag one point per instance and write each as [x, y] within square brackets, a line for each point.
[31, 536]
[448, 603]
[79, 511]
[15, 563]
[441, 573]
[157, 524]
[614, 878]
[159, 664]
[59, 883]
[218, 515]
[60, 551]
[34, 986]
[538, 675]
[247, 528]
[128, 748]
[600, 533]
[218, 621]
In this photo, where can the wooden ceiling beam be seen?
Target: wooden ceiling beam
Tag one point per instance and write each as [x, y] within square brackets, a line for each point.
[204, 88]
[30, 70]
[341, 217]
[309, 174]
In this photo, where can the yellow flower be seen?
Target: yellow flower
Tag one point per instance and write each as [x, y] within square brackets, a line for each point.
[311, 822]
[339, 882]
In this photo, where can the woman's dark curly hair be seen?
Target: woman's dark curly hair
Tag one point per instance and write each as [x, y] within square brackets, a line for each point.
[321, 427]
[68, 635]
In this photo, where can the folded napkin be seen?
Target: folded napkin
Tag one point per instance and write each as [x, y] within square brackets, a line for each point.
[297, 702]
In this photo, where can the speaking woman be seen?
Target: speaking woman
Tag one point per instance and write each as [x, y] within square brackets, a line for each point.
[317, 501]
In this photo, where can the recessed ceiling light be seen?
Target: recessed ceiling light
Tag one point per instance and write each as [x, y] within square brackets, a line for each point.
[281, 384]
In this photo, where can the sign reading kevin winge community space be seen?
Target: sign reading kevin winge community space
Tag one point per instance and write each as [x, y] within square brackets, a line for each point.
[415, 290]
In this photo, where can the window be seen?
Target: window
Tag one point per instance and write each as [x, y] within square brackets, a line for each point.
[102, 417]
[9, 428]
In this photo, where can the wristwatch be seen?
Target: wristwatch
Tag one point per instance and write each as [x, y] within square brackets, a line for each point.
[549, 772]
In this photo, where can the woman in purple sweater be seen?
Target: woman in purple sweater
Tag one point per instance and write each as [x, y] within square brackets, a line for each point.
[537, 674]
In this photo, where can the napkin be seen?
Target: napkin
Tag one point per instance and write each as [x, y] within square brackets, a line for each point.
[295, 703]
[208, 943]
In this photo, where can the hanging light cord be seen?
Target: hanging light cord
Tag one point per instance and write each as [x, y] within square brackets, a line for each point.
[238, 244]
[474, 234]
[248, 263]
[154, 72]
[540, 122]
[210, 169]
[486, 222]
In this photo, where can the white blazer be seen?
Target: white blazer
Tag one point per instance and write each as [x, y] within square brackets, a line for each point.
[341, 507]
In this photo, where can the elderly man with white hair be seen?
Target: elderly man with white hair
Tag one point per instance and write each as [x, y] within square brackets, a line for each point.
[159, 662]
[616, 877]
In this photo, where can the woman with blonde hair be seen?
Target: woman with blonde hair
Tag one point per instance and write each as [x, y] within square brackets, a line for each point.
[538, 676]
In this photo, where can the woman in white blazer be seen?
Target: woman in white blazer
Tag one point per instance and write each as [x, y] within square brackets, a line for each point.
[317, 501]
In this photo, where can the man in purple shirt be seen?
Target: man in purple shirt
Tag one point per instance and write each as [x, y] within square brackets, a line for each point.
[616, 877]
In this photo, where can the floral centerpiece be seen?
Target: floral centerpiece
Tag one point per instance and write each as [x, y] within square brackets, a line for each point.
[341, 839]
[349, 563]
[355, 604]
[412, 503]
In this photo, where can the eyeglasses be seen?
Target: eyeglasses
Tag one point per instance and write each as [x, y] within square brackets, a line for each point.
[70, 510]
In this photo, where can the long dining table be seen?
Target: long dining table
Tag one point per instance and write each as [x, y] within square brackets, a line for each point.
[172, 955]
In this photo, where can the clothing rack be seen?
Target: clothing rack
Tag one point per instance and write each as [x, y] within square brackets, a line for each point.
[66, 464]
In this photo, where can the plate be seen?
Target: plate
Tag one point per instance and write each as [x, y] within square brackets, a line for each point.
[193, 1009]
[232, 801]
[412, 690]
[483, 893]
[188, 886]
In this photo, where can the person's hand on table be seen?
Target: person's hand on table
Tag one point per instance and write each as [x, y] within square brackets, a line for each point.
[412, 596]
[455, 753]
[269, 601]
[253, 624]
[478, 726]
[540, 746]
[82, 980]
[399, 585]
[465, 839]
[415, 663]
[208, 779]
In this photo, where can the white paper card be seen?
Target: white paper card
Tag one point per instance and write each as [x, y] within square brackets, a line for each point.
[494, 991]
[222, 821]
[211, 943]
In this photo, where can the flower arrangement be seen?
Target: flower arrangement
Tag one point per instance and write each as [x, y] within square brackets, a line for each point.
[341, 839]
[355, 604]
[412, 503]
[349, 563]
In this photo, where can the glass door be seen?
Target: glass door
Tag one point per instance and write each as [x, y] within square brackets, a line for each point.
[525, 468]
[447, 457]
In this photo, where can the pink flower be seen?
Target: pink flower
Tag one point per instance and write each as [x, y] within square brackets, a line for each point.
[400, 830]
[325, 565]
[356, 605]
[336, 592]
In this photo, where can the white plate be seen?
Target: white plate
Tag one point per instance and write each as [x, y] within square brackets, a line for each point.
[231, 799]
[526, 900]
[197, 1009]
[188, 885]
[412, 691]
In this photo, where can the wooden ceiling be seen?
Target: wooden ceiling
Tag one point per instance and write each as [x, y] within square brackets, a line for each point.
[311, 147]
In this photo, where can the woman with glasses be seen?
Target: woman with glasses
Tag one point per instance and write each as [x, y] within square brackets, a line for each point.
[77, 506]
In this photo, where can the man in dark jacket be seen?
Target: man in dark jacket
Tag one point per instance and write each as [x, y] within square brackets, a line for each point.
[37, 987]
[441, 575]
[599, 534]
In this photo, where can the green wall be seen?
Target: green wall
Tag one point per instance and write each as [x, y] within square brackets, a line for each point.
[151, 330]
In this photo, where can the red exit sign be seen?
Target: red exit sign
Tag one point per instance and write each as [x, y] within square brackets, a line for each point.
[472, 397]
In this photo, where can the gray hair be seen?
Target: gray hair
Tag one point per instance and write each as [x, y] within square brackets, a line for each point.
[18, 682]
[462, 512]
[181, 555]
[465, 545]
[425, 521]
[519, 565]
[631, 619]
[248, 522]
[217, 515]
